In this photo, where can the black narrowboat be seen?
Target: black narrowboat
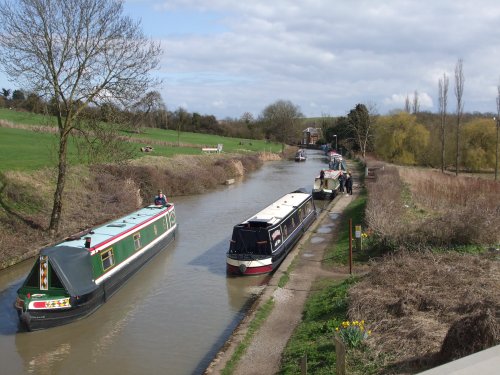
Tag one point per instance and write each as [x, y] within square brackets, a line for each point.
[260, 243]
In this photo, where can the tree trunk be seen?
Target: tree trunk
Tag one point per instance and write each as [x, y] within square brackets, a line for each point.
[55, 217]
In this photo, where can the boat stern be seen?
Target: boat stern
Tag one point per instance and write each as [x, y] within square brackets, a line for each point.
[240, 267]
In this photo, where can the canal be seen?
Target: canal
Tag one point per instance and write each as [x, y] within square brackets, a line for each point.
[174, 315]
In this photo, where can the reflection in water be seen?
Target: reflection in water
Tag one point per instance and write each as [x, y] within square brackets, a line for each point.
[8, 315]
[240, 289]
[174, 315]
[44, 363]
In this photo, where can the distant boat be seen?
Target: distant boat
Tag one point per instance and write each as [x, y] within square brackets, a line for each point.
[260, 243]
[337, 162]
[300, 155]
[73, 278]
[326, 189]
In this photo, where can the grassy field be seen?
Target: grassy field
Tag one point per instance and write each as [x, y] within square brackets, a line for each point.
[26, 118]
[25, 150]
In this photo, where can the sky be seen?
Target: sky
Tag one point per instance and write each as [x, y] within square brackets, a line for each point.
[228, 57]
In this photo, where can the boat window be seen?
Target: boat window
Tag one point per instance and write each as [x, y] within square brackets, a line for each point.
[285, 231]
[309, 207]
[108, 260]
[276, 237]
[137, 239]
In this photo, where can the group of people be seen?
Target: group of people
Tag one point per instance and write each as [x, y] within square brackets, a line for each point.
[345, 181]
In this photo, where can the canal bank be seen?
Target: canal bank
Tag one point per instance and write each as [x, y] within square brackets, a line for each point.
[174, 315]
[263, 354]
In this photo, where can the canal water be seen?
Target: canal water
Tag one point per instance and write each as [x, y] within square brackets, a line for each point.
[175, 314]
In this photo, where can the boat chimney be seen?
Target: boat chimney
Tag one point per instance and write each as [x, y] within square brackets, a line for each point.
[87, 242]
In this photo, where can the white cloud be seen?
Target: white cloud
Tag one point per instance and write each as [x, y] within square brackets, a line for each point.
[325, 56]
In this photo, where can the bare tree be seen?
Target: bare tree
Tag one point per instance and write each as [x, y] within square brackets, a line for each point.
[498, 129]
[282, 116]
[443, 102]
[150, 111]
[459, 91]
[247, 118]
[407, 104]
[416, 104]
[77, 53]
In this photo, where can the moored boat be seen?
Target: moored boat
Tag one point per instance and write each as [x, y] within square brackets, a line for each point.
[327, 187]
[337, 162]
[300, 155]
[260, 243]
[73, 278]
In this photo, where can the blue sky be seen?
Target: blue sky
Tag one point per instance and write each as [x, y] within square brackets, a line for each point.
[227, 57]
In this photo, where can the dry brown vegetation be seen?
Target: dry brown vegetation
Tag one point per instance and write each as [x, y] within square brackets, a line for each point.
[416, 208]
[429, 307]
[413, 301]
[100, 193]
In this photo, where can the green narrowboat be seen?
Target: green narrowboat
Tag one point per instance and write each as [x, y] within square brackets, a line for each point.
[73, 278]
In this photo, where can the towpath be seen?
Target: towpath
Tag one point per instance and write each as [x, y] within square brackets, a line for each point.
[263, 355]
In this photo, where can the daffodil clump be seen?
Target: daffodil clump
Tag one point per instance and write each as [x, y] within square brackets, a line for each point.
[353, 333]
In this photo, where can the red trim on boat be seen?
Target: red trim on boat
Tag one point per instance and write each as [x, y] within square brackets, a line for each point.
[233, 270]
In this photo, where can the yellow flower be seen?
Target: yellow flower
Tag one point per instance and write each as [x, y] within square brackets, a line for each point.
[337, 328]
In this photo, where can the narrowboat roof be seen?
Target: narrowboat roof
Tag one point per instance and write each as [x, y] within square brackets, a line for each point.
[330, 173]
[280, 209]
[73, 267]
[105, 234]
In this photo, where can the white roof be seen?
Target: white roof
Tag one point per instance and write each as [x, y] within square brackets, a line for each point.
[331, 173]
[279, 209]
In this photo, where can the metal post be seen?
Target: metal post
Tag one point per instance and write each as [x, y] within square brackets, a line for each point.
[350, 246]
[496, 153]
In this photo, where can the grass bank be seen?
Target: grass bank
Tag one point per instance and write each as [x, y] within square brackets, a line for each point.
[99, 193]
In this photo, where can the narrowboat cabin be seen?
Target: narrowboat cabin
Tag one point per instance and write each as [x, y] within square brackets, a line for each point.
[300, 155]
[328, 187]
[73, 278]
[259, 244]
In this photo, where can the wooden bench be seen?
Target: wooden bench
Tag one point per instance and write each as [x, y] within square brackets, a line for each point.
[209, 150]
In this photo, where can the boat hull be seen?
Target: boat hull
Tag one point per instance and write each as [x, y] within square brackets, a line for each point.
[83, 306]
[324, 194]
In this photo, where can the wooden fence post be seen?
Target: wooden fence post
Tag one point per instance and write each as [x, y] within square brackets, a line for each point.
[303, 365]
[340, 354]
[350, 246]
